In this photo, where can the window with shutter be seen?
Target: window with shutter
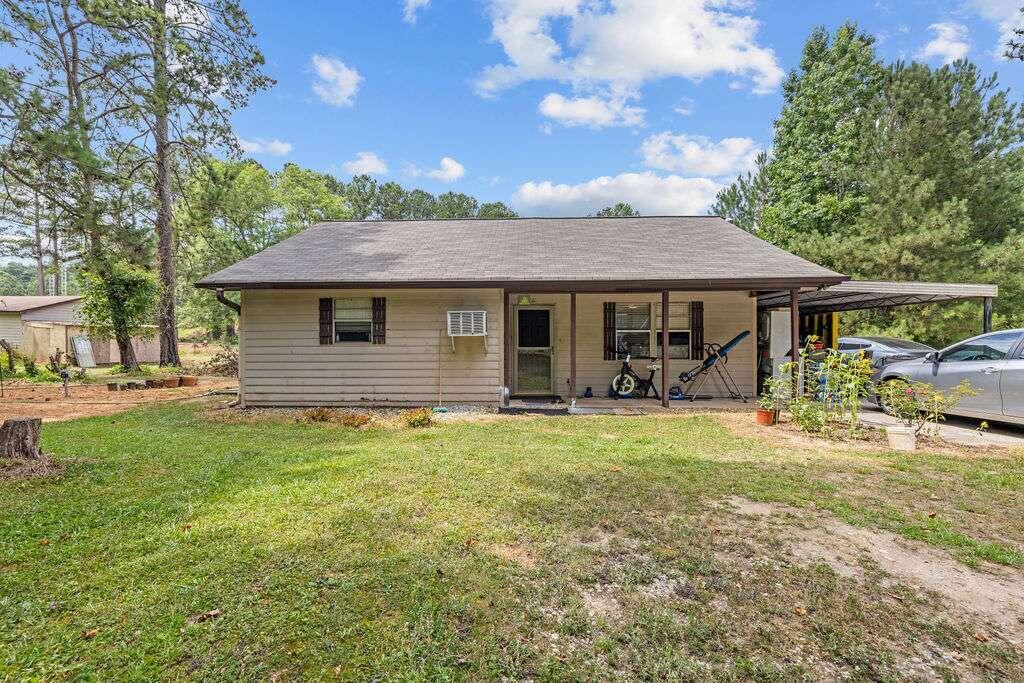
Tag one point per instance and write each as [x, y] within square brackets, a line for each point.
[353, 320]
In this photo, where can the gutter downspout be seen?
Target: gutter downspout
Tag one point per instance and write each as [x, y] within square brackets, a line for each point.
[237, 308]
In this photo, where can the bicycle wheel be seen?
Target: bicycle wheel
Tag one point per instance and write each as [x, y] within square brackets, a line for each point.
[624, 385]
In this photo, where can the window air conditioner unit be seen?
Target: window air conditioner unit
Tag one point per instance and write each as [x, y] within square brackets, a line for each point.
[467, 323]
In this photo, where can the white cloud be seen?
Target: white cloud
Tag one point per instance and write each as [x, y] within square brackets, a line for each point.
[365, 163]
[949, 44]
[411, 7]
[621, 44]
[648, 192]
[591, 111]
[696, 154]
[1005, 14]
[448, 171]
[336, 83]
[275, 147]
[685, 107]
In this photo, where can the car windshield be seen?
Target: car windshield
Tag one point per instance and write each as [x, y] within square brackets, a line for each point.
[900, 344]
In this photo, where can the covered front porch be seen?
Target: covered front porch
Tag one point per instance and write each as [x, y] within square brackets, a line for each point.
[565, 347]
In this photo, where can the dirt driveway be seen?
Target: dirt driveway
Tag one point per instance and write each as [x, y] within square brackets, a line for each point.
[24, 399]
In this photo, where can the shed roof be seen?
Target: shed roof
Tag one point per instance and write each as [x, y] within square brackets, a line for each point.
[20, 304]
[861, 294]
[698, 252]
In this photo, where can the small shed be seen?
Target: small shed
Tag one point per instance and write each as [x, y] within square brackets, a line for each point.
[39, 326]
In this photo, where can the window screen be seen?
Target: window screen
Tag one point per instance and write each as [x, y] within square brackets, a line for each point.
[633, 329]
[678, 330]
[353, 320]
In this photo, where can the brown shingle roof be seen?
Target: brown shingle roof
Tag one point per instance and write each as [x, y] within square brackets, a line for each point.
[700, 251]
[17, 304]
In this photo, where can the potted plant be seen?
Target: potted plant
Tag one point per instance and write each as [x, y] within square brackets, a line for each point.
[774, 396]
[918, 406]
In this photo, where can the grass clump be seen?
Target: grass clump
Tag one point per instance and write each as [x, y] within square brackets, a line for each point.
[420, 417]
[353, 420]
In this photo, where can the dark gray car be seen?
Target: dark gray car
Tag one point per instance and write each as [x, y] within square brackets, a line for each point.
[994, 365]
[883, 350]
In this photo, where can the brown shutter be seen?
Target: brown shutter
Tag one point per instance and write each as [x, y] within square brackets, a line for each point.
[610, 352]
[697, 330]
[326, 321]
[380, 307]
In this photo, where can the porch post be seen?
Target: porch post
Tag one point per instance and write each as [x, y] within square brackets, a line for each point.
[986, 325]
[664, 348]
[506, 333]
[572, 347]
[794, 321]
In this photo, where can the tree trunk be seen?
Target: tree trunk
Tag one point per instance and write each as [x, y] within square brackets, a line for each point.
[38, 251]
[167, 322]
[19, 439]
[127, 352]
[55, 258]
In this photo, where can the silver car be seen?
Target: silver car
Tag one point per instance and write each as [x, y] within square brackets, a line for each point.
[994, 365]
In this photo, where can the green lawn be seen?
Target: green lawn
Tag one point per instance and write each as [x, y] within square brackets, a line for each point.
[548, 548]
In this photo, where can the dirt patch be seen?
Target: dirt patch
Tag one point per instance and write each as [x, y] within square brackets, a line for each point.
[601, 603]
[514, 553]
[20, 470]
[994, 593]
[22, 399]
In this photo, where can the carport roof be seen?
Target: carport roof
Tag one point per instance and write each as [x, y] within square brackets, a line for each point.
[861, 294]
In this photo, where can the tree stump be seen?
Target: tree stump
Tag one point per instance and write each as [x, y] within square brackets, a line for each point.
[19, 439]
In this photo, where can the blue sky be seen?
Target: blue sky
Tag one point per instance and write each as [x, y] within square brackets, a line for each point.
[562, 106]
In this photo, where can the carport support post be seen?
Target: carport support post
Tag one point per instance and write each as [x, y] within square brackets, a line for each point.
[572, 348]
[664, 348]
[794, 322]
[986, 319]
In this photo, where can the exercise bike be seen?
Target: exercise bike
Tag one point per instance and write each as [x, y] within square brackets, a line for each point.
[629, 384]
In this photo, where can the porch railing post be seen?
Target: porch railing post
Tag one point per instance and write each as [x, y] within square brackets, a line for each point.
[986, 318]
[506, 333]
[572, 347]
[664, 348]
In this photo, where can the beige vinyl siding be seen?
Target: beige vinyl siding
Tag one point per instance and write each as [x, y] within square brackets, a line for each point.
[283, 363]
[726, 314]
[10, 328]
[66, 313]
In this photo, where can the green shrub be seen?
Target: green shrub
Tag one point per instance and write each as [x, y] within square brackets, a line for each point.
[809, 415]
[421, 417]
[919, 405]
[30, 367]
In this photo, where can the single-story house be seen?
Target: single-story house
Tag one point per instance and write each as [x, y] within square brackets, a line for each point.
[39, 326]
[473, 311]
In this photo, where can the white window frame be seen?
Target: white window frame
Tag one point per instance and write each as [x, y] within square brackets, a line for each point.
[656, 324]
[368, 321]
[620, 330]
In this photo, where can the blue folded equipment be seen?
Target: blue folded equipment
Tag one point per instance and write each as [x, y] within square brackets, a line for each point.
[716, 357]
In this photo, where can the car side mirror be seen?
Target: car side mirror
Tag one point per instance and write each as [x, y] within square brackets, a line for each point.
[932, 356]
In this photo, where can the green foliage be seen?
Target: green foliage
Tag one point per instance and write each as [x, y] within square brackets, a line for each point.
[118, 301]
[30, 367]
[420, 417]
[919, 405]
[496, 210]
[894, 172]
[809, 415]
[777, 392]
[620, 210]
[17, 279]
[455, 205]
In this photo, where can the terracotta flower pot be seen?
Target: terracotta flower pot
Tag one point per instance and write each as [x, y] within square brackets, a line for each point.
[189, 381]
[172, 382]
[765, 416]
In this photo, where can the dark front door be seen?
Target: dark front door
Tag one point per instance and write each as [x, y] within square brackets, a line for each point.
[533, 351]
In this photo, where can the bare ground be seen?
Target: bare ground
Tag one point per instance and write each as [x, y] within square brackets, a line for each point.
[24, 399]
